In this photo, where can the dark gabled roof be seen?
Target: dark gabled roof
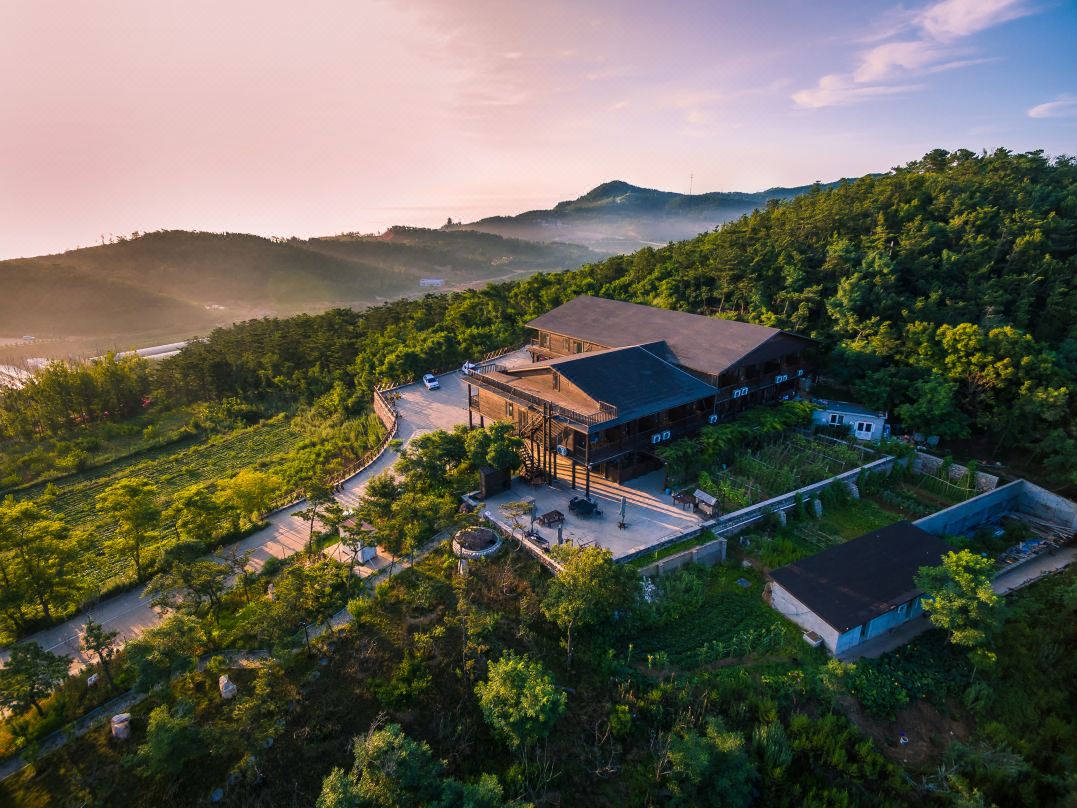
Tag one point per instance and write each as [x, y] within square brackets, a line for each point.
[704, 344]
[638, 380]
[849, 584]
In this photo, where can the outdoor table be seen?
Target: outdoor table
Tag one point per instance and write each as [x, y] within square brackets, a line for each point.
[684, 500]
[551, 518]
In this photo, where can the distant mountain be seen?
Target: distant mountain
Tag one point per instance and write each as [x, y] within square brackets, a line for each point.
[619, 217]
[172, 284]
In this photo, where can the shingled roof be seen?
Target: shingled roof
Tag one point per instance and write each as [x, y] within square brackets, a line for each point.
[704, 344]
[852, 583]
[638, 380]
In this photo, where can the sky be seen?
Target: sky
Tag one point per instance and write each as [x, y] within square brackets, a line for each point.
[284, 118]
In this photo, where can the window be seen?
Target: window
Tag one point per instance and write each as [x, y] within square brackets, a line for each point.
[864, 428]
[579, 347]
[903, 610]
[836, 419]
[556, 381]
[508, 409]
[544, 339]
[566, 344]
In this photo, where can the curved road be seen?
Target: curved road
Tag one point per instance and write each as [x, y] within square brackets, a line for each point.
[420, 410]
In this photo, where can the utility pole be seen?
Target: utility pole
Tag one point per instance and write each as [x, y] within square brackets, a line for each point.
[691, 180]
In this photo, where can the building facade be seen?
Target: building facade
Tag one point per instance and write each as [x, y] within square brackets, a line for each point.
[612, 382]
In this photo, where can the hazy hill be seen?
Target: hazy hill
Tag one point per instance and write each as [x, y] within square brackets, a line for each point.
[619, 217]
[172, 284]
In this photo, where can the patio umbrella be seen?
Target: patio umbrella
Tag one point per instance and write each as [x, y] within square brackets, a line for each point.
[624, 504]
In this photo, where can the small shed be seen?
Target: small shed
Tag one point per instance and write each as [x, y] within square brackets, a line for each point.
[859, 421]
[855, 591]
[706, 503]
[493, 481]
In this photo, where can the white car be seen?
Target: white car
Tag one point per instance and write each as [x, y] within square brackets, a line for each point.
[467, 367]
[431, 382]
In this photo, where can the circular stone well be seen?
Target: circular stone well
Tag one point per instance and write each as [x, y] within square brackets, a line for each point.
[476, 542]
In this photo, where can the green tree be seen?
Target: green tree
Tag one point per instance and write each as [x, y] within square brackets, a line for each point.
[196, 514]
[36, 547]
[190, 586]
[390, 771]
[496, 446]
[519, 700]
[173, 741]
[933, 409]
[29, 676]
[132, 505]
[99, 644]
[247, 495]
[958, 598]
[708, 768]
[587, 591]
[170, 647]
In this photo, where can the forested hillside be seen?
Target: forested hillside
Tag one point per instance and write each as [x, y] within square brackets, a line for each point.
[618, 217]
[943, 291]
[177, 284]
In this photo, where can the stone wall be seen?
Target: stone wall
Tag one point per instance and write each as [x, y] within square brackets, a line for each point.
[929, 464]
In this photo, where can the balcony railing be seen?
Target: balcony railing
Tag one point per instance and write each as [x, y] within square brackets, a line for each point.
[480, 376]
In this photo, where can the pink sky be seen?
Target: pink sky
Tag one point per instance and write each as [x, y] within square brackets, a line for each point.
[314, 118]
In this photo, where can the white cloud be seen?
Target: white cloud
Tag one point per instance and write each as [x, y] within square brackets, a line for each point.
[1064, 106]
[952, 19]
[926, 46]
[837, 90]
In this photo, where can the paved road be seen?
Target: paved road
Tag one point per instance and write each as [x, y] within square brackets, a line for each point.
[130, 613]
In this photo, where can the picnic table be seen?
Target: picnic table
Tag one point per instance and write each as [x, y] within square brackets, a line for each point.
[551, 518]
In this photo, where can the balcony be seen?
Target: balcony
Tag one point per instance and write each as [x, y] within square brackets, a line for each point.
[480, 377]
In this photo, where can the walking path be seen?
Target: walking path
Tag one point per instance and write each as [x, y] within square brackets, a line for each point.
[236, 658]
[130, 613]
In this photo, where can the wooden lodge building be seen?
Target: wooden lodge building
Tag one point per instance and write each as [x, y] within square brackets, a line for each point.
[610, 382]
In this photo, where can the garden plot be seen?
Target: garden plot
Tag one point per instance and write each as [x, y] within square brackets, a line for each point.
[791, 462]
[733, 622]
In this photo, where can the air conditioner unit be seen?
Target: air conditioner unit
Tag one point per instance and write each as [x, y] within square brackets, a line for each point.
[712, 419]
[656, 438]
[666, 435]
[563, 451]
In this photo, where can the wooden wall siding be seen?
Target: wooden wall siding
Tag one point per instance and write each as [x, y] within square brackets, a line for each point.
[492, 406]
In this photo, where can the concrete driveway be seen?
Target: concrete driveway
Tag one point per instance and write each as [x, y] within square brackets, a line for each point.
[420, 410]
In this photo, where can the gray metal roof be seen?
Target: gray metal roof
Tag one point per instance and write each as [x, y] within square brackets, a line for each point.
[849, 584]
[704, 344]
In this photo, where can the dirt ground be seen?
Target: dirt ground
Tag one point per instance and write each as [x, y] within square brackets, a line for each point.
[930, 732]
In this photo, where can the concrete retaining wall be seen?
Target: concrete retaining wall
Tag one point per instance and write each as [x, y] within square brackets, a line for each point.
[1020, 496]
[1042, 504]
[929, 464]
[709, 554]
[970, 514]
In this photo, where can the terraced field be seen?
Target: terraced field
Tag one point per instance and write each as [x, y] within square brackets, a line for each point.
[170, 469]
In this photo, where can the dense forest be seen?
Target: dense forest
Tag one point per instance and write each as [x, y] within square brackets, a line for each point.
[942, 291]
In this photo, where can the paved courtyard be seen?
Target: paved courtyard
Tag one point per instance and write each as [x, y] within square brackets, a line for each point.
[651, 517]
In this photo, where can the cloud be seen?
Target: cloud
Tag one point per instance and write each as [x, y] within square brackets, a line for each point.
[911, 44]
[1064, 106]
[837, 90]
[953, 19]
